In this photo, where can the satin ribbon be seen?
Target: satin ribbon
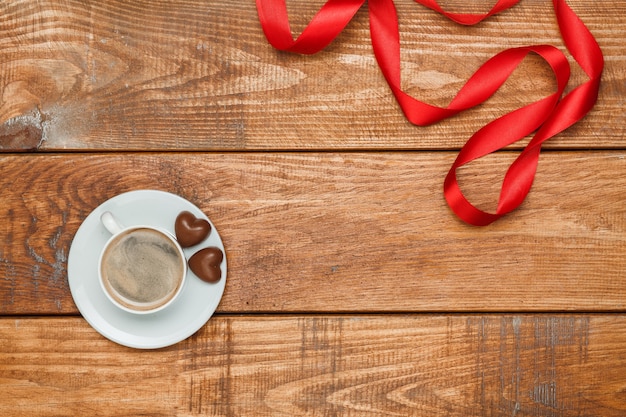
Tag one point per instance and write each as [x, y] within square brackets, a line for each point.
[546, 117]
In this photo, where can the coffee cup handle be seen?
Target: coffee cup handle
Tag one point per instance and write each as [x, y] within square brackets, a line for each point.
[111, 223]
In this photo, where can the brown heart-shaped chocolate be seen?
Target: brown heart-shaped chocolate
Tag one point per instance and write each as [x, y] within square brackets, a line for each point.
[190, 230]
[206, 264]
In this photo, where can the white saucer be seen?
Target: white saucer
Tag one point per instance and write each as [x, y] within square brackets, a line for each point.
[191, 310]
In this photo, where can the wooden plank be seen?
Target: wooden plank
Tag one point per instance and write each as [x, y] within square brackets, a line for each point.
[191, 74]
[475, 365]
[353, 232]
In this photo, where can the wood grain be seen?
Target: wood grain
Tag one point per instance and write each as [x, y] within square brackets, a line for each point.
[352, 289]
[352, 232]
[457, 366]
[197, 75]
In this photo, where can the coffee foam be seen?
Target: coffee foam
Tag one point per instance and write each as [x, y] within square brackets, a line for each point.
[142, 269]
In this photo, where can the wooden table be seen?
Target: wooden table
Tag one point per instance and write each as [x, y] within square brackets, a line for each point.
[352, 289]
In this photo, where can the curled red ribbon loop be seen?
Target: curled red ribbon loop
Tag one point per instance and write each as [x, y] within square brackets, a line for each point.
[548, 116]
[564, 113]
[467, 18]
[325, 26]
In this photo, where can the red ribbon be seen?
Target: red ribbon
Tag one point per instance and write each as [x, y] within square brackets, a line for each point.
[548, 116]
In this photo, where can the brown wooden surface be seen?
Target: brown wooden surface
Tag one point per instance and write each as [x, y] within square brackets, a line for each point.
[189, 74]
[348, 232]
[352, 289]
[324, 365]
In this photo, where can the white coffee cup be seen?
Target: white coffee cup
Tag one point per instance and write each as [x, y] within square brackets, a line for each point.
[142, 269]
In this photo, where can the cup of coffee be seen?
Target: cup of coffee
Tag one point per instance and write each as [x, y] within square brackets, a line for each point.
[142, 269]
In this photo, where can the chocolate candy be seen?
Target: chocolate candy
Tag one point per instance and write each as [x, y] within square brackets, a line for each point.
[206, 264]
[190, 230]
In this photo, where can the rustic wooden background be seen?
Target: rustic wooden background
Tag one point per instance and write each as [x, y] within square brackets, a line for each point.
[352, 288]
